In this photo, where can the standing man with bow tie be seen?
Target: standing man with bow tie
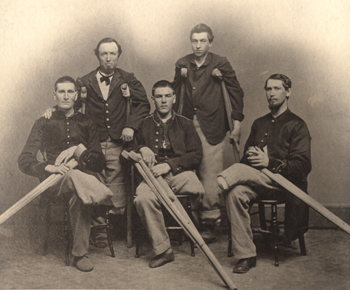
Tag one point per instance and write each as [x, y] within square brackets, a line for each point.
[107, 106]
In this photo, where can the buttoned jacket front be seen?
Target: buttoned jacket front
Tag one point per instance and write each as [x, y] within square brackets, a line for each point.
[183, 137]
[110, 115]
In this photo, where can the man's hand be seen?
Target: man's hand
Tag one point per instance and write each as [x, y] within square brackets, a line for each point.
[160, 169]
[83, 93]
[127, 134]
[235, 135]
[257, 157]
[48, 113]
[184, 72]
[148, 156]
[65, 155]
[61, 169]
[217, 73]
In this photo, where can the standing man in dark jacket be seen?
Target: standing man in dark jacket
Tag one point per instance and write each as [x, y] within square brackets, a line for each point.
[106, 105]
[279, 141]
[69, 134]
[201, 74]
[170, 146]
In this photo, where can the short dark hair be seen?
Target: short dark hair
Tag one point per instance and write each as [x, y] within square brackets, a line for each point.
[107, 40]
[199, 28]
[287, 83]
[162, 84]
[65, 79]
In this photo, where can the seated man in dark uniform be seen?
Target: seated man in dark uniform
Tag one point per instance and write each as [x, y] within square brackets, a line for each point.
[69, 134]
[170, 146]
[280, 142]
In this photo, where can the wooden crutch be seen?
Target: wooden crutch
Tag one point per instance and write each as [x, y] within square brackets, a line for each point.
[51, 180]
[126, 93]
[182, 90]
[228, 108]
[307, 199]
[162, 191]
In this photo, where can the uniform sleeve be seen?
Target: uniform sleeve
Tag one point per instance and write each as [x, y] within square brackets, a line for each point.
[140, 105]
[234, 89]
[27, 160]
[298, 164]
[250, 142]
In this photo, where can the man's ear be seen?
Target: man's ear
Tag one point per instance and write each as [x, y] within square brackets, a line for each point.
[76, 96]
[174, 98]
[54, 96]
[289, 91]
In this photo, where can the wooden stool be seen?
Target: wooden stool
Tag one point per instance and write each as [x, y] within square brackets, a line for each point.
[272, 230]
[46, 206]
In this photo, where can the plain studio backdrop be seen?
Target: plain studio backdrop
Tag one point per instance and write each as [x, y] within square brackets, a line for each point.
[308, 41]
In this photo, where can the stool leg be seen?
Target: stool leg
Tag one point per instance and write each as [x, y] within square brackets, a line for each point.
[302, 245]
[189, 212]
[66, 234]
[274, 231]
[229, 250]
[129, 201]
[108, 232]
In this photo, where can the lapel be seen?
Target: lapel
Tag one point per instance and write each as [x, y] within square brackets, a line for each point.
[117, 81]
[94, 84]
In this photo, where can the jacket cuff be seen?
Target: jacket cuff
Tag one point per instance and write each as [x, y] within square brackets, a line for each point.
[175, 168]
[276, 165]
[237, 116]
[39, 168]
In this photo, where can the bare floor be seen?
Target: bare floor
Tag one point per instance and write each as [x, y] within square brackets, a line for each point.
[326, 266]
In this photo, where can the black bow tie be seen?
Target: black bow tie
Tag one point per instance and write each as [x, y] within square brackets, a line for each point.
[105, 79]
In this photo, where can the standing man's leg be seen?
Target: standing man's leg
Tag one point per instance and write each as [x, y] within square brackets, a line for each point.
[113, 177]
[212, 164]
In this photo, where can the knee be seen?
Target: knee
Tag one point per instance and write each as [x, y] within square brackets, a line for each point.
[238, 196]
[145, 199]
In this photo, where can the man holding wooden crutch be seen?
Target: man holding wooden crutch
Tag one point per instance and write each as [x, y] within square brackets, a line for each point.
[279, 142]
[68, 134]
[170, 146]
[198, 76]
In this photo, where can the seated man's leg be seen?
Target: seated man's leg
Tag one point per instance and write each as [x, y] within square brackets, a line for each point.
[88, 191]
[80, 216]
[237, 204]
[188, 182]
[149, 209]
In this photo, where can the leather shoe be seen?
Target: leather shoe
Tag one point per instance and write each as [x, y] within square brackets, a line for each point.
[244, 265]
[83, 264]
[161, 259]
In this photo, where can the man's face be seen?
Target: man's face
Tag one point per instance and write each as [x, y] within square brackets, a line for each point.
[200, 44]
[108, 57]
[276, 94]
[164, 99]
[65, 96]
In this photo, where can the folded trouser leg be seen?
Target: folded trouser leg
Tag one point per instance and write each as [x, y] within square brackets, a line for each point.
[149, 209]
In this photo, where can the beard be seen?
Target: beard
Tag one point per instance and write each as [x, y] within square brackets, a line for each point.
[275, 106]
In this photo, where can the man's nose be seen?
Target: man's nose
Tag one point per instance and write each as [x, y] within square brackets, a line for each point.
[163, 99]
[108, 57]
[199, 45]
